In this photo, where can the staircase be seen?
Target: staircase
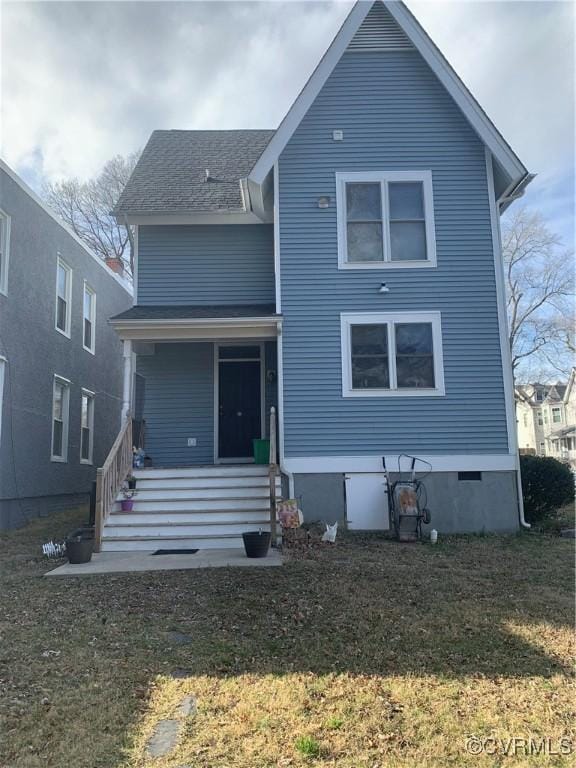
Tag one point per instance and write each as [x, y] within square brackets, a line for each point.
[191, 508]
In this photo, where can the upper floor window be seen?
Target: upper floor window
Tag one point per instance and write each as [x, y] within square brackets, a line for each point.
[392, 354]
[87, 427]
[89, 318]
[4, 250]
[556, 415]
[63, 297]
[385, 219]
[540, 420]
[60, 411]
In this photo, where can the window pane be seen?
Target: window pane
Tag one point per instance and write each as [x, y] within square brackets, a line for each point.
[88, 334]
[408, 241]
[62, 281]
[369, 340]
[87, 304]
[413, 339]
[365, 242]
[61, 314]
[239, 353]
[415, 371]
[84, 413]
[370, 373]
[85, 447]
[406, 200]
[363, 202]
[57, 438]
[58, 401]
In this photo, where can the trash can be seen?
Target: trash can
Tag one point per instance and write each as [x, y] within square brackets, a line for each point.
[261, 451]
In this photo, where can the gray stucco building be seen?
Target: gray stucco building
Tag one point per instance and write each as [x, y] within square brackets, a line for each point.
[60, 362]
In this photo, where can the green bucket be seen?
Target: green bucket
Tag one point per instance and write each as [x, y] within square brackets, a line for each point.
[261, 451]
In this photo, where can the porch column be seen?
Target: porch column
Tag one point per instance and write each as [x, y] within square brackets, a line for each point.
[127, 388]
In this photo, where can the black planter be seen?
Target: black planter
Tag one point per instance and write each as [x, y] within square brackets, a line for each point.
[132, 484]
[256, 543]
[79, 548]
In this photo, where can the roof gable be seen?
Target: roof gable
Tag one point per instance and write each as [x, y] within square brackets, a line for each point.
[388, 25]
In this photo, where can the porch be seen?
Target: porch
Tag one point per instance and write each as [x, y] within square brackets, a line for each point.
[200, 386]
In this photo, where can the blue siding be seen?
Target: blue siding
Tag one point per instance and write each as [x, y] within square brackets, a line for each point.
[179, 403]
[395, 115]
[206, 264]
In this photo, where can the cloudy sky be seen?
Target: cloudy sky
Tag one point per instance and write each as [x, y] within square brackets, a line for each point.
[82, 81]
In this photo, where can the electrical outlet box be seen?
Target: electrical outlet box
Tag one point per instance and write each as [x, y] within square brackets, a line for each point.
[191, 442]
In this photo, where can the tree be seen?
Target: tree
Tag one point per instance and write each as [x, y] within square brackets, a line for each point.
[540, 286]
[85, 207]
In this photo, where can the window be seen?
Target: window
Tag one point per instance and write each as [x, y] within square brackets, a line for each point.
[540, 420]
[89, 319]
[4, 250]
[63, 297]
[556, 415]
[545, 417]
[392, 354]
[470, 476]
[385, 219]
[87, 427]
[60, 408]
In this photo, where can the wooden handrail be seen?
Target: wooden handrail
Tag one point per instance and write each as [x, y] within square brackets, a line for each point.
[272, 474]
[110, 477]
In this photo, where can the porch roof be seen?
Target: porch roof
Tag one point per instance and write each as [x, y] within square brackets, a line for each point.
[167, 323]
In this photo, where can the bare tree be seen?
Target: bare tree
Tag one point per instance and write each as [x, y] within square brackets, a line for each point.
[540, 286]
[85, 207]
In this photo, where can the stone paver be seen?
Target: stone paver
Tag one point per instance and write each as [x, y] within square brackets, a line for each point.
[178, 638]
[164, 738]
[187, 707]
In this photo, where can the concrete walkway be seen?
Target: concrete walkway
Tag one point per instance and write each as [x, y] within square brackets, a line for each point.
[132, 562]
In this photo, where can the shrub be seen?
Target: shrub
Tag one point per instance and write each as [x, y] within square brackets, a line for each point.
[307, 746]
[547, 485]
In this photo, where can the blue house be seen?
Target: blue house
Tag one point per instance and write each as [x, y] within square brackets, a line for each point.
[338, 281]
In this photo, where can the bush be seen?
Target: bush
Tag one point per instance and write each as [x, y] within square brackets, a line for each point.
[547, 485]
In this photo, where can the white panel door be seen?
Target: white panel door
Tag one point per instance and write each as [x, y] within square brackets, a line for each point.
[367, 502]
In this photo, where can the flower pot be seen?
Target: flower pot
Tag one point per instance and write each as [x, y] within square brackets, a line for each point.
[126, 505]
[256, 543]
[132, 484]
[79, 550]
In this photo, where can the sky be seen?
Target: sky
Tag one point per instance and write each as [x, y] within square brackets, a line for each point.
[83, 81]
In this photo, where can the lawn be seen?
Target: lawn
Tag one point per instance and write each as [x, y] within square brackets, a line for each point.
[364, 655]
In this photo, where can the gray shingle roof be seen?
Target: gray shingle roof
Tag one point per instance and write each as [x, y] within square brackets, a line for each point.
[196, 312]
[170, 176]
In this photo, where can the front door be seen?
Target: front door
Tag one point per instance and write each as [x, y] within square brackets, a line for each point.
[239, 400]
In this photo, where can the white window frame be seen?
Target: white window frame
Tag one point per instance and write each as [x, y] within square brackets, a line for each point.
[3, 367]
[391, 318]
[65, 419]
[5, 251]
[67, 332]
[385, 177]
[92, 318]
[557, 409]
[91, 398]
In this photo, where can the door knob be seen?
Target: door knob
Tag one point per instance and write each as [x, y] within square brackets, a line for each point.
[239, 413]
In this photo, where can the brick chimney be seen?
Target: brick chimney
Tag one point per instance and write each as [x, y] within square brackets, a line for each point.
[115, 264]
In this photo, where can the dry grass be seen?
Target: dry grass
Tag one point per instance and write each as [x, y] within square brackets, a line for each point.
[366, 654]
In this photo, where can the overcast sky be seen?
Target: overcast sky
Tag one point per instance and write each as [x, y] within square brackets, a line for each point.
[82, 81]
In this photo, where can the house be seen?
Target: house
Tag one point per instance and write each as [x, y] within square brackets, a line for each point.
[61, 365]
[344, 269]
[543, 419]
[561, 441]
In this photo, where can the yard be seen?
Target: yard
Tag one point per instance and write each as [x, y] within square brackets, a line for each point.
[365, 655]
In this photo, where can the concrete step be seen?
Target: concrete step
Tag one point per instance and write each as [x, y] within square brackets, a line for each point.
[198, 494]
[195, 505]
[169, 516]
[151, 543]
[220, 470]
[200, 483]
[157, 530]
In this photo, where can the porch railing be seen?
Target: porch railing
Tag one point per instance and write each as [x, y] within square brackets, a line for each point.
[273, 473]
[110, 477]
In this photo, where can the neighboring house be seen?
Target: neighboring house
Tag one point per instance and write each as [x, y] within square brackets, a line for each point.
[545, 419]
[60, 362]
[345, 267]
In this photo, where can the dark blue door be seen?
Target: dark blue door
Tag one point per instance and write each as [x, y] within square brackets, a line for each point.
[239, 414]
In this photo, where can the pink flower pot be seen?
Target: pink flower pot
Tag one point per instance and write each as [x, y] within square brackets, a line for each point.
[127, 505]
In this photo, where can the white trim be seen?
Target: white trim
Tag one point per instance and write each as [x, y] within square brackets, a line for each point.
[87, 289]
[384, 178]
[440, 463]
[3, 369]
[30, 192]
[198, 329]
[160, 219]
[67, 331]
[422, 42]
[135, 261]
[347, 319]
[65, 418]
[128, 359]
[91, 397]
[262, 360]
[5, 250]
[277, 283]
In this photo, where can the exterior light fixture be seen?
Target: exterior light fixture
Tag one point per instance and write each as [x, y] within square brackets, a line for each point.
[383, 288]
[324, 202]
